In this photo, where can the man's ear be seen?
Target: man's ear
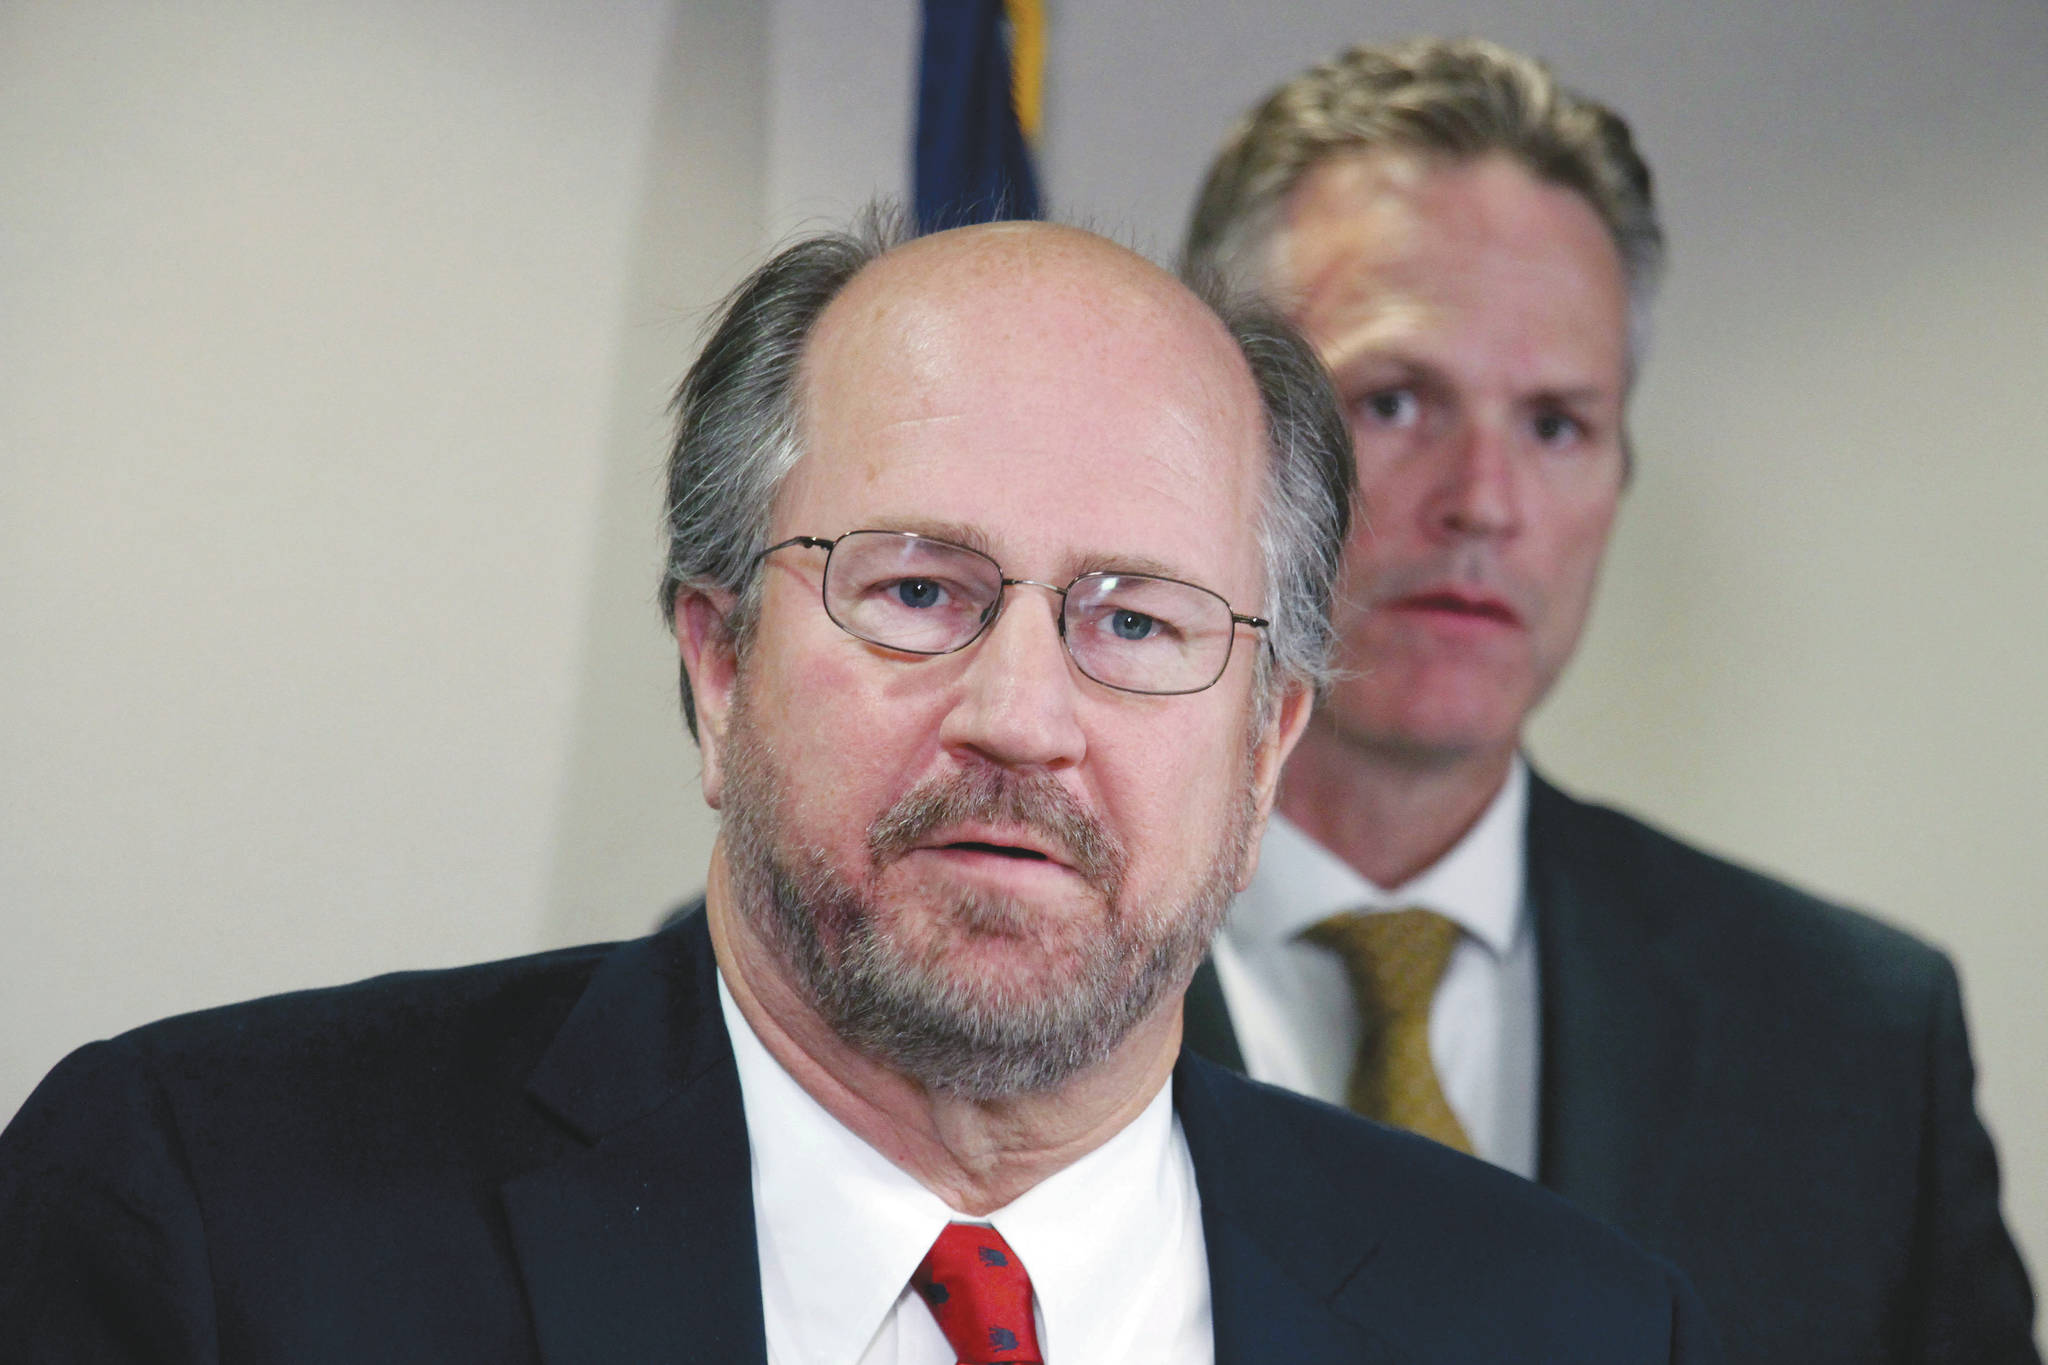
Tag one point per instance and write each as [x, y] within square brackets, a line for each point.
[1284, 725]
[710, 658]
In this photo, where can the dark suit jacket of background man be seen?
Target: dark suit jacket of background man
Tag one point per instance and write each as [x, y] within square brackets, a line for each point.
[546, 1159]
[1771, 1091]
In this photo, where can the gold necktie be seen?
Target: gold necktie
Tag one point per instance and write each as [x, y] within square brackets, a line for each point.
[1396, 959]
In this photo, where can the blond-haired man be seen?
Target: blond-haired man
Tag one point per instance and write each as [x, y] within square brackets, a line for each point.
[1773, 1091]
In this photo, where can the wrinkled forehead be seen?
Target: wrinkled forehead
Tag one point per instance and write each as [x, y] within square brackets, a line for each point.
[1061, 394]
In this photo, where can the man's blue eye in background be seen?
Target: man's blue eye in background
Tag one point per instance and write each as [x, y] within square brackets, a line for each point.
[918, 592]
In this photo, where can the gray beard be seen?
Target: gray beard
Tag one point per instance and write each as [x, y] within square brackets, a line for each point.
[974, 1039]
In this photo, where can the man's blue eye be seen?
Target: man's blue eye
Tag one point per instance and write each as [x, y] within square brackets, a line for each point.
[1553, 428]
[1397, 408]
[919, 592]
[1131, 625]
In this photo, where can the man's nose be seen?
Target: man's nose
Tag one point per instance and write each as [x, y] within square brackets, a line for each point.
[1478, 489]
[1019, 691]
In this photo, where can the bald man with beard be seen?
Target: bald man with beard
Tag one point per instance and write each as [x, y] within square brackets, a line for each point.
[1000, 569]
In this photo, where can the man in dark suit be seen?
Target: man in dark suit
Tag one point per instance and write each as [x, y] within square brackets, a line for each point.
[1772, 1091]
[992, 675]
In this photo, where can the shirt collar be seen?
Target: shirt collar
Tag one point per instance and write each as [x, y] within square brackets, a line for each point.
[1479, 883]
[1081, 1231]
[831, 1214]
[840, 1220]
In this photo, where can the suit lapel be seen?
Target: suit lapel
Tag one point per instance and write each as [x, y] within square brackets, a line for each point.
[1205, 1020]
[639, 1245]
[1621, 1020]
[1290, 1270]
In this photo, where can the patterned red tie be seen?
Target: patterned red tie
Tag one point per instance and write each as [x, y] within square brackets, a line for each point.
[978, 1291]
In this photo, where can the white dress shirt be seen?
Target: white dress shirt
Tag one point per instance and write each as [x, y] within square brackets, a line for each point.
[1291, 1002]
[1113, 1243]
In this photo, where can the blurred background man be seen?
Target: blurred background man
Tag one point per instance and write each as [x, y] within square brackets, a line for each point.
[1773, 1091]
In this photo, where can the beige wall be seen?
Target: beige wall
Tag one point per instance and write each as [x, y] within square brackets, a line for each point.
[334, 339]
[334, 344]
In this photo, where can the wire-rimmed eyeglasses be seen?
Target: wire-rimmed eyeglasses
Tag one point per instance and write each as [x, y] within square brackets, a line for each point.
[920, 595]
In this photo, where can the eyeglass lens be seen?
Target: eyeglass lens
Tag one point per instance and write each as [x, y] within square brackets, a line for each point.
[1129, 631]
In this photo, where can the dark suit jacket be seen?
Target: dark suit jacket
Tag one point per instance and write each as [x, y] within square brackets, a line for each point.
[545, 1159]
[1773, 1092]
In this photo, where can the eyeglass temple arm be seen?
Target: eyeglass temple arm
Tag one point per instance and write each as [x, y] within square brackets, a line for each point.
[808, 542]
[1258, 623]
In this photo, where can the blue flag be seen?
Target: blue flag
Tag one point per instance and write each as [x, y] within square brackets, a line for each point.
[977, 104]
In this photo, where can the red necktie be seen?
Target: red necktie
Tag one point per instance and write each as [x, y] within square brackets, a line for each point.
[978, 1291]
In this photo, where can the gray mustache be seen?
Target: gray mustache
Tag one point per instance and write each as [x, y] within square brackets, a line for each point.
[997, 796]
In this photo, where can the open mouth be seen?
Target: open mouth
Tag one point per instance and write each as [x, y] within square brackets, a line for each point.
[1000, 850]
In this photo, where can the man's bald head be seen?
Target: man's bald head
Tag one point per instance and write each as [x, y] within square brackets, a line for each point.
[741, 409]
[1018, 301]
[996, 277]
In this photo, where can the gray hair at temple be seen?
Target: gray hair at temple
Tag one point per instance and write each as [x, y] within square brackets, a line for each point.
[1455, 98]
[738, 435]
